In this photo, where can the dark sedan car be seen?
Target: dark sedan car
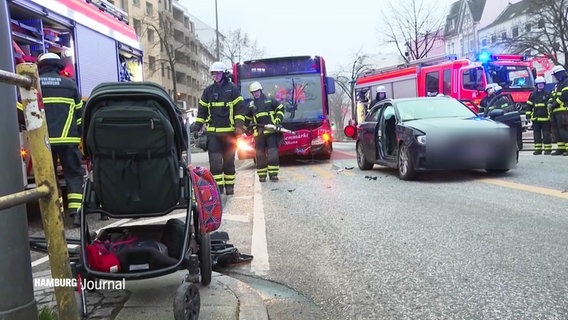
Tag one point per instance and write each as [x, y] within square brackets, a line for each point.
[432, 133]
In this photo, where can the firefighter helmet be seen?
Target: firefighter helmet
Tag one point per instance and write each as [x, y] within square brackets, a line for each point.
[539, 79]
[49, 55]
[50, 59]
[490, 86]
[218, 67]
[381, 89]
[558, 69]
[255, 86]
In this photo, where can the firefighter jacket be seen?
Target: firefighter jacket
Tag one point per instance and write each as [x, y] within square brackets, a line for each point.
[536, 106]
[264, 110]
[221, 108]
[560, 97]
[499, 102]
[63, 106]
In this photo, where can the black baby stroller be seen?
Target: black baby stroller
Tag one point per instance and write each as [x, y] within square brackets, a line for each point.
[134, 140]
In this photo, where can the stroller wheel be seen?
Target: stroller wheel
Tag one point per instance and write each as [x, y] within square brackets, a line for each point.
[205, 261]
[187, 302]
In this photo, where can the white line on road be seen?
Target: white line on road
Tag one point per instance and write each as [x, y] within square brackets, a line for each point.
[259, 249]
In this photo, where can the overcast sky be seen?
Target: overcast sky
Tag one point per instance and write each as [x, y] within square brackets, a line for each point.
[336, 30]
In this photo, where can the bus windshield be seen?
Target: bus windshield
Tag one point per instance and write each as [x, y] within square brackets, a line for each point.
[301, 95]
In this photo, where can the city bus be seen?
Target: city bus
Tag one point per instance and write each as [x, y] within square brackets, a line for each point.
[301, 84]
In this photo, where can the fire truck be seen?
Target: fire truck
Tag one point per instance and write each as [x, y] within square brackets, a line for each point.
[463, 79]
[93, 37]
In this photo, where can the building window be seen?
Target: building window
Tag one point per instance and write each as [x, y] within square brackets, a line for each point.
[151, 63]
[137, 25]
[515, 32]
[504, 35]
[528, 28]
[493, 39]
[541, 23]
[150, 33]
[136, 3]
[149, 9]
[163, 70]
[484, 43]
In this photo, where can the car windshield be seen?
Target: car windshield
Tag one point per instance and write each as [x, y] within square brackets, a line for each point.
[428, 108]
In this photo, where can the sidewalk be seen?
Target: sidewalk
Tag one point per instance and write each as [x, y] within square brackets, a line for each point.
[224, 298]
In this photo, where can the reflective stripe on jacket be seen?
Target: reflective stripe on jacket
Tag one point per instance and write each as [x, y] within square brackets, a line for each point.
[63, 107]
[219, 107]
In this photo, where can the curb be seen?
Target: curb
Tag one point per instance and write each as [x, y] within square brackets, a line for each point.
[250, 303]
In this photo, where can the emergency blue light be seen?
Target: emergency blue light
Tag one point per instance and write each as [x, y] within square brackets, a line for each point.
[484, 57]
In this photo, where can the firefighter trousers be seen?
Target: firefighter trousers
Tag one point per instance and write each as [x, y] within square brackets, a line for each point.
[266, 146]
[71, 162]
[542, 135]
[221, 148]
[559, 121]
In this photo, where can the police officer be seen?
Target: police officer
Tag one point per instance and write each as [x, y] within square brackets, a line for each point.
[538, 112]
[63, 112]
[221, 109]
[559, 110]
[264, 110]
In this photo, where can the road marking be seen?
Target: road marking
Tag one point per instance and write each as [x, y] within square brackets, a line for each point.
[325, 173]
[259, 249]
[528, 188]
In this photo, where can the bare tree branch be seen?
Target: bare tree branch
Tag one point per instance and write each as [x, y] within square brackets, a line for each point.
[413, 26]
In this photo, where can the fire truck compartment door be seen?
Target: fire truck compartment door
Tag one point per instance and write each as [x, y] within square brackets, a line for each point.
[97, 59]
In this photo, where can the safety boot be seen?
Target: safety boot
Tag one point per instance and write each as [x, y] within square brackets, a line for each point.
[221, 189]
[547, 152]
[274, 177]
[262, 179]
[537, 152]
[557, 152]
[229, 189]
[76, 219]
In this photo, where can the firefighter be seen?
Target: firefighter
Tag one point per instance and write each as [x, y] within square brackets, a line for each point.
[499, 101]
[381, 95]
[221, 109]
[63, 112]
[538, 112]
[264, 110]
[559, 110]
[490, 93]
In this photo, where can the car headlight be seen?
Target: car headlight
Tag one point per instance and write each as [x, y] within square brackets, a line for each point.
[421, 140]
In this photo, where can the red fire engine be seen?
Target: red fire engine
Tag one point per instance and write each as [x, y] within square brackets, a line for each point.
[462, 79]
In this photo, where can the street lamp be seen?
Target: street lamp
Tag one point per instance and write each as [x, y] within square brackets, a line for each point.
[217, 29]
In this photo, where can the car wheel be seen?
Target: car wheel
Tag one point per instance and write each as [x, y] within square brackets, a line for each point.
[361, 160]
[406, 169]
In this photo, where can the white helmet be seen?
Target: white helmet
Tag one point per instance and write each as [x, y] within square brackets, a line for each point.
[49, 55]
[539, 79]
[557, 69]
[497, 88]
[218, 67]
[255, 86]
[490, 86]
[381, 89]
